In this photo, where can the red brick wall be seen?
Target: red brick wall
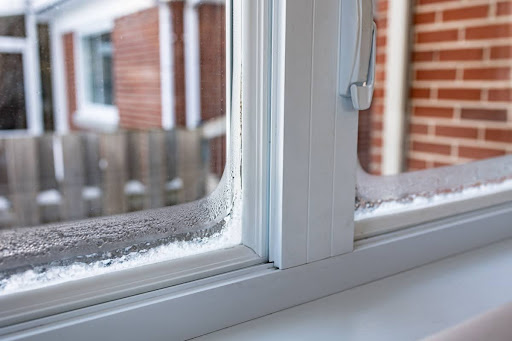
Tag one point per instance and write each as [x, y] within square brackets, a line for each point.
[459, 87]
[136, 58]
[178, 49]
[370, 121]
[212, 55]
[69, 65]
[461, 69]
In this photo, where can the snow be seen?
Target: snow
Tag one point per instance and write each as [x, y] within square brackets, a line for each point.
[5, 204]
[46, 276]
[418, 202]
[134, 187]
[91, 193]
[49, 197]
[174, 185]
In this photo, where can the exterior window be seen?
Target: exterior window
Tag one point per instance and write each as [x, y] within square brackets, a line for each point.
[98, 53]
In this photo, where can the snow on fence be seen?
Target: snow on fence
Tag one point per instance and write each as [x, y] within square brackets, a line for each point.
[52, 178]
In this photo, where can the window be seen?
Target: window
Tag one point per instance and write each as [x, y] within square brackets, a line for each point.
[94, 196]
[12, 105]
[98, 53]
[440, 103]
[290, 179]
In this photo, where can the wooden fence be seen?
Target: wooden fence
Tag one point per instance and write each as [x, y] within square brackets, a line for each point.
[53, 178]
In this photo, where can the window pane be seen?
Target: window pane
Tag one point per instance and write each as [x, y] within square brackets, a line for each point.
[455, 106]
[98, 52]
[139, 112]
[12, 26]
[12, 90]
[440, 124]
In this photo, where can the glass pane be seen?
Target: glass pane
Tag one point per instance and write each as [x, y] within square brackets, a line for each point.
[12, 26]
[12, 90]
[139, 123]
[456, 105]
[98, 52]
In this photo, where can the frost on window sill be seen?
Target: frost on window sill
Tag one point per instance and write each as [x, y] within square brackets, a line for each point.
[33, 257]
[381, 196]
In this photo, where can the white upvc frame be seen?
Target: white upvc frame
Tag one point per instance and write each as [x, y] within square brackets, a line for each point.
[198, 307]
[192, 62]
[28, 48]
[314, 135]
[166, 66]
[89, 114]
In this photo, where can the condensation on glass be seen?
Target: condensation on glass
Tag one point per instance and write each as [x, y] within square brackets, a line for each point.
[130, 116]
[456, 107]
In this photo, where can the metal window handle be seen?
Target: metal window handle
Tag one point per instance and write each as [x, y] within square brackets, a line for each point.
[357, 52]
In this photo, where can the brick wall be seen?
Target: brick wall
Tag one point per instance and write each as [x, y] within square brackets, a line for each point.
[460, 90]
[69, 65]
[178, 50]
[461, 66]
[136, 59]
[212, 56]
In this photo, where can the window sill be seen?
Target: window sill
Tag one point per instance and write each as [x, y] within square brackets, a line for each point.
[38, 303]
[97, 117]
[423, 301]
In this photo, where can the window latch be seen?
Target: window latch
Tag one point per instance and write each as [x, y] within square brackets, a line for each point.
[357, 52]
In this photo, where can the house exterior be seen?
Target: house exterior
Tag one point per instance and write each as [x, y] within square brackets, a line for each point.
[144, 65]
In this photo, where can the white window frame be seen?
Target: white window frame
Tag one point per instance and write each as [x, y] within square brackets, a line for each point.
[302, 270]
[89, 114]
[28, 49]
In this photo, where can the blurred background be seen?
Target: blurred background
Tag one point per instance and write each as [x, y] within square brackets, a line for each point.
[108, 108]
[443, 91]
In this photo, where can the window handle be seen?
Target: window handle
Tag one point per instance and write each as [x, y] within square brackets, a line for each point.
[357, 52]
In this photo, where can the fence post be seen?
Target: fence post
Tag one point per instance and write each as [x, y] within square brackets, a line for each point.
[22, 162]
[73, 206]
[114, 166]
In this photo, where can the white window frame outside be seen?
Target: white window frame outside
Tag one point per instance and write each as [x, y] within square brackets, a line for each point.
[304, 268]
[28, 48]
[89, 114]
